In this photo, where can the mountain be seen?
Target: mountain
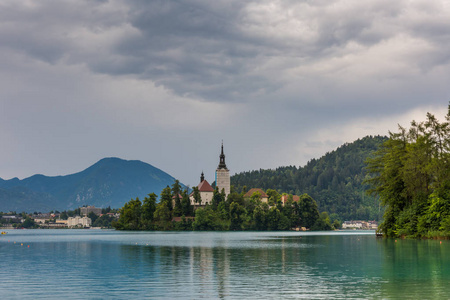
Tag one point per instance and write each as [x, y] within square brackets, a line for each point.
[109, 182]
[335, 180]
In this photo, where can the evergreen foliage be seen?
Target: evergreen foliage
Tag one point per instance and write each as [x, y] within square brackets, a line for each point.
[335, 181]
[411, 175]
[233, 213]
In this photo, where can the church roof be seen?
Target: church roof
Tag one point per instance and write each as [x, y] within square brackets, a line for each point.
[204, 186]
[252, 191]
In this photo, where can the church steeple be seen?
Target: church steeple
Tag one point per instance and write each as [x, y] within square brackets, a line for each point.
[202, 177]
[222, 164]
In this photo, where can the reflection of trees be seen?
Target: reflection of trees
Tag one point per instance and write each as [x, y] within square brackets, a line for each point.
[416, 267]
[309, 266]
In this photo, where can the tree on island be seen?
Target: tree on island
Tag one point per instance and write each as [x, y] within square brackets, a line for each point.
[174, 212]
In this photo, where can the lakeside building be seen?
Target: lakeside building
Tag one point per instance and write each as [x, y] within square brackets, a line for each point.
[86, 210]
[371, 225]
[206, 193]
[262, 195]
[285, 198]
[222, 182]
[12, 219]
[78, 221]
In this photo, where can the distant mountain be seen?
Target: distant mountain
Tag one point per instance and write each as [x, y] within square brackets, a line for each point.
[109, 182]
[335, 180]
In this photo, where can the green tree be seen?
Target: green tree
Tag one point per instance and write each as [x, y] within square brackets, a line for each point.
[274, 196]
[237, 216]
[196, 195]
[186, 207]
[130, 216]
[176, 192]
[28, 223]
[260, 218]
[273, 218]
[218, 198]
[92, 216]
[63, 215]
[166, 197]
[148, 211]
[411, 175]
[163, 216]
[204, 219]
[309, 211]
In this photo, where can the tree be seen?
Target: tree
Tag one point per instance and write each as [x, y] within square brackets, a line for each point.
[217, 198]
[273, 218]
[176, 191]
[309, 211]
[196, 195]
[274, 196]
[130, 216]
[204, 219]
[148, 211]
[63, 215]
[237, 216]
[259, 218]
[186, 208]
[166, 196]
[162, 216]
[92, 216]
[28, 223]
[411, 175]
[322, 223]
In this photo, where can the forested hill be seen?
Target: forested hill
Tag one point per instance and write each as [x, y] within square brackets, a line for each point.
[109, 182]
[335, 180]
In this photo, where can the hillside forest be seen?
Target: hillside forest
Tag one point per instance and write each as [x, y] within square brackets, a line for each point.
[336, 181]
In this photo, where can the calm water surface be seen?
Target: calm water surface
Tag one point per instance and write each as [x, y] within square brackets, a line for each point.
[95, 264]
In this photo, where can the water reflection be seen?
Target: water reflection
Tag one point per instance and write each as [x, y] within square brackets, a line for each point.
[415, 268]
[222, 265]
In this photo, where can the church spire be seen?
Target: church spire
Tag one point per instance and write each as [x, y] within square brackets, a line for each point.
[202, 177]
[222, 164]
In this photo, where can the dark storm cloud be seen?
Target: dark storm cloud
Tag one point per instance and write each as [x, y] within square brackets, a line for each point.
[219, 51]
[287, 72]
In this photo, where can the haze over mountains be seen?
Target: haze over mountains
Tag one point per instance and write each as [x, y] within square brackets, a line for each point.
[335, 181]
[109, 182]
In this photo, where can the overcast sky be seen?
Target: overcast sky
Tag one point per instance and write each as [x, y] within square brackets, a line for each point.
[280, 82]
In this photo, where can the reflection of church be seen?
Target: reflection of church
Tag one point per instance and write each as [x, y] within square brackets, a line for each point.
[222, 182]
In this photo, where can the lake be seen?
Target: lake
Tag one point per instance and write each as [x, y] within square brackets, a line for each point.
[94, 264]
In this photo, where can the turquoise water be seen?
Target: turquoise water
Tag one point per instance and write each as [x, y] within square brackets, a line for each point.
[98, 264]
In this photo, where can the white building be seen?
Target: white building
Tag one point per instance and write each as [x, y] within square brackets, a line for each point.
[206, 193]
[78, 221]
[222, 183]
[223, 175]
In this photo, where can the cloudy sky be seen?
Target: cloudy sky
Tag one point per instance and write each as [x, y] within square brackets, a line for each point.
[280, 82]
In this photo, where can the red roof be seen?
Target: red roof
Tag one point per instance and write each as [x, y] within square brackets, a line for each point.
[252, 191]
[204, 186]
[295, 198]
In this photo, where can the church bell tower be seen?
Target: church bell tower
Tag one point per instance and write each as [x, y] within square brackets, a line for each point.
[223, 175]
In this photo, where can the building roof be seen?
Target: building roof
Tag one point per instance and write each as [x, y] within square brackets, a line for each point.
[295, 198]
[204, 186]
[252, 191]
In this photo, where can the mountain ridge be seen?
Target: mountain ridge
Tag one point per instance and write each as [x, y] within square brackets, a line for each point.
[109, 182]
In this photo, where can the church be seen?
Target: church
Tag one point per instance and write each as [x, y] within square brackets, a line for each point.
[222, 182]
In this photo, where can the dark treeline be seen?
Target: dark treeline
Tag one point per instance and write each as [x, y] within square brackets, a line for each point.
[411, 175]
[174, 212]
[335, 181]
